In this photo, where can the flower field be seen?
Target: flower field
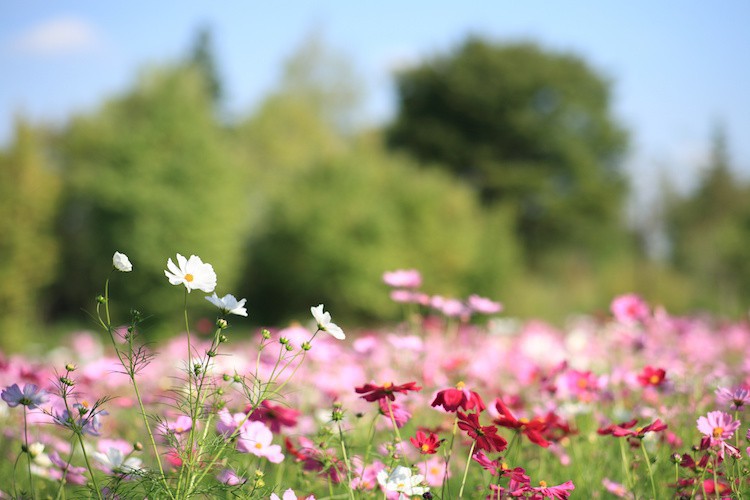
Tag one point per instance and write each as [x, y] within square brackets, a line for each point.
[455, 401]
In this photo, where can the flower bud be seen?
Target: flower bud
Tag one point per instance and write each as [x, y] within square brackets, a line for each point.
[237, 379]
[226, 377]
[306, 346]
[137, 446]
[223, 338]
[222, 323]
[289, 347]
[66, 381]
[283, 341]
[70, 367]
[100, 299]
[266, 334]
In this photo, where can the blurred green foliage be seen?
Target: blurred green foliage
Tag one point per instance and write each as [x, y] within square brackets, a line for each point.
[29, 190]
[530, 129]
[509, 186]
[150, 174]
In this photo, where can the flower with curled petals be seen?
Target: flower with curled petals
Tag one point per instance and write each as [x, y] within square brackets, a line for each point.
[228, 304]
[323, 320]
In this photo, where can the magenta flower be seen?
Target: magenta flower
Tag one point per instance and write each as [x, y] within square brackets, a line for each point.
[230, 477]
[403, 278]
[561, 491]
[31, 396]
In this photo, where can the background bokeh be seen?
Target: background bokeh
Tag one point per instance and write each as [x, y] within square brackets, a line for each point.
[547, 156]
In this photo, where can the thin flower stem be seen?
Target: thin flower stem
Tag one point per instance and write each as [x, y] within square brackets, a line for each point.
[393, 421]
[626, 464]
[60, 489]
[88, 465]
[130, 368]
[346, 461]
[648, 467]
[28, 454]
[448, 455]
[466, 470]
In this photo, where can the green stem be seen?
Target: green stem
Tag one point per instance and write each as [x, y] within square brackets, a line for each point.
[648, 466]
[60, 489]
[346, 461]
[466, 470]
[626, 464]
[28, 454]
[448, 455]
[88, 465]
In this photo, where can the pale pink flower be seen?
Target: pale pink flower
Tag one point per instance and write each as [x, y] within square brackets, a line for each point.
[433, 471]
[403, 278]
[255, 438]
[483, 305]
[629, 309]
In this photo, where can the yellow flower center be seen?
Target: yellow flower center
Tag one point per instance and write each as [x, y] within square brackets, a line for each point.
[387, 385]
[425, 447]
[460, 385]
[654, 379]
[258, 446]
[582, 383]
[543, 484]
[400, 486]
[189, 278]
[718, 431]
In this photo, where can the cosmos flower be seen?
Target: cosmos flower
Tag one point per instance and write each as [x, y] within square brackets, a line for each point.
[452, 399]
[629, 309]
[403, 278]
[228, 304]
[323, 319]
[121, 262]
[31, 396]
[427, 444]
[651, 376]
[255, 438]
[192, 272]
[371, 392]
[485, 436]
[717, 426]
[402, 481]
[737, 399]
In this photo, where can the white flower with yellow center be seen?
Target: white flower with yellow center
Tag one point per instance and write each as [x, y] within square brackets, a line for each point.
[192, 272]
[323, 319]
[403, 482]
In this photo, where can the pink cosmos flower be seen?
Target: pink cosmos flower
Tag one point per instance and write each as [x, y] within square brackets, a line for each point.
[366, 478]
[400, 415]
[289, 495]
[560, 491]
[403, 278]
[230, 477]
[228, 423]
[629, 309]
[255, 438]
[433, 471]
[717, 426]
[275, 416]
[483, 305]
[737, 399]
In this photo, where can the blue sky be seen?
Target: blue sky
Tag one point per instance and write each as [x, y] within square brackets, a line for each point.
[677, 66]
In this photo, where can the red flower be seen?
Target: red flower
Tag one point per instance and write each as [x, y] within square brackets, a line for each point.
[561, 491]
[459, 397]
[374, 392]
[275, 416]
[427, 444]
[533, 429]
[651, 376]
[486, 437]
[626, 429]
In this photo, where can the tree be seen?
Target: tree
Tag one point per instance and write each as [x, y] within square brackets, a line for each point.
[709, 229]
[203, 59]
[151, 173]
[29, 190]
[530, 129]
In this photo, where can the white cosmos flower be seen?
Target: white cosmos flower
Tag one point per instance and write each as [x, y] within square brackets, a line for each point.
[115, 461]
[403, 482]
[228, 304]
[323, 319]
[121, 262]
[192, 272]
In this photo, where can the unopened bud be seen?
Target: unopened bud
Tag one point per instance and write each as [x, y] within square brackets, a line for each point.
[222, 323]
[283, 341]
[306, 346]
[100, 299]
[226, 377]
[289, 347]
[70, 367]
[237, 379]
[137, 446]
[222, 338]
[66, 382]
[266, 334]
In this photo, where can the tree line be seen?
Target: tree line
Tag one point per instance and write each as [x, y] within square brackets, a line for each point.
[501, 174]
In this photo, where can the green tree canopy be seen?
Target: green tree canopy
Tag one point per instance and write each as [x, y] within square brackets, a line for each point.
[149, 174]
[529, 128]
[29, 189]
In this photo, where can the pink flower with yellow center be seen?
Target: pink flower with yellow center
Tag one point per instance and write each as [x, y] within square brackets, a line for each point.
[717, 426]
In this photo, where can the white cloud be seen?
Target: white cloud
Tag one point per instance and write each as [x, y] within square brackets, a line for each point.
[59, 36]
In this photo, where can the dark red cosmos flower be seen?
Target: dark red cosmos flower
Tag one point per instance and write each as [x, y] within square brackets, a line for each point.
[651, 376]
[626, 429]
[275, 416]
[452, 399]
[485, 436]
[374, 392]
[533, 429]
[426, 444]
